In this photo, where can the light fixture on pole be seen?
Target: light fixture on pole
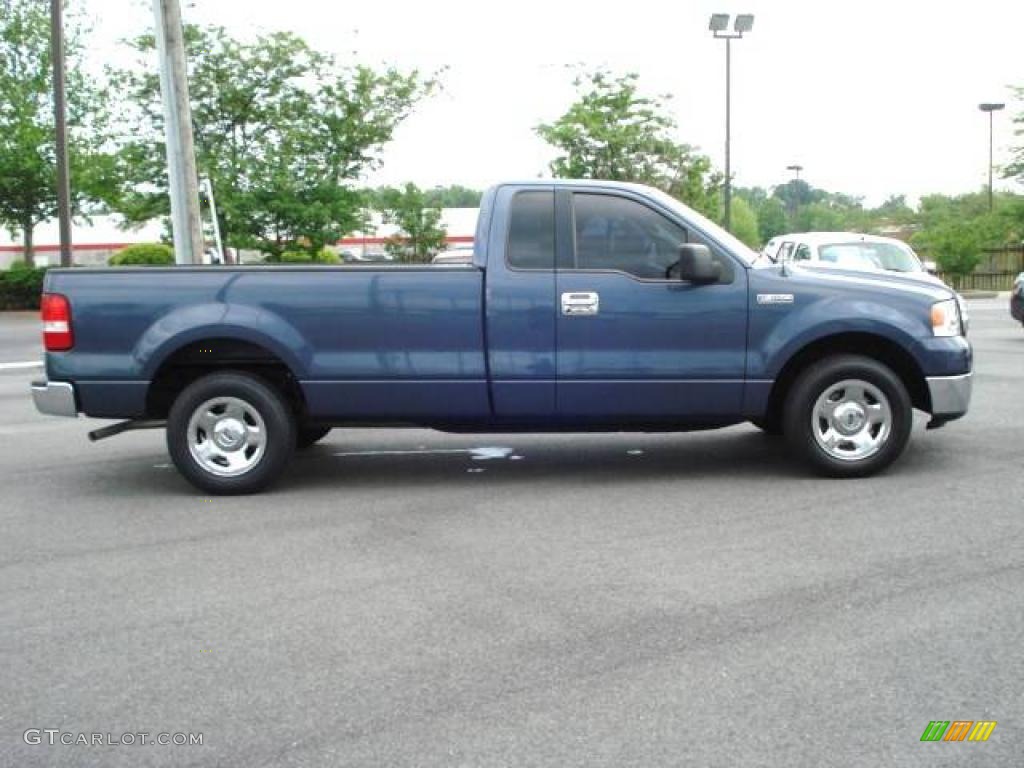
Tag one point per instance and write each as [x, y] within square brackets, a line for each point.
[795, 169]
[990, 108]
[719, 26]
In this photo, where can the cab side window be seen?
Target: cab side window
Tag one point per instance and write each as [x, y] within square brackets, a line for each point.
[531, 231]
[803, 253]
[621, 234]
[616, 233]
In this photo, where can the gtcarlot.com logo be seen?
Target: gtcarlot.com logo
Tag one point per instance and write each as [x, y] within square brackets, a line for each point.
[55, 736]
[958, 730]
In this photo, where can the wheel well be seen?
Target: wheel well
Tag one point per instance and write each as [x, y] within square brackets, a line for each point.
[199, 358]
[876, 347]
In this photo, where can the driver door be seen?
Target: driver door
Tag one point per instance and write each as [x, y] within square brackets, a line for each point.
[633, 342]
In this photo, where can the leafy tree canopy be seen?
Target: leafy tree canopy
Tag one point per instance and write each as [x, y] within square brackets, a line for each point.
[28, 189]
[420, 234]
[614, 132]
[282, 131]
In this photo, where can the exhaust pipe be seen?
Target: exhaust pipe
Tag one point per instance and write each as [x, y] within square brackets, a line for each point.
[124, 426]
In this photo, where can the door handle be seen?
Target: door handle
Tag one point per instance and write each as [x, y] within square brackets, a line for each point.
[587, 303]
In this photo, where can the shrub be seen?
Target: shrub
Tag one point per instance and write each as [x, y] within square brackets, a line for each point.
[19, 266]
[147, 254]
[327, 256]
[21, 287]
[323, 256]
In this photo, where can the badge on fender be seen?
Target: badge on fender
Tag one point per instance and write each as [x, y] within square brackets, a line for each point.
[775, 298]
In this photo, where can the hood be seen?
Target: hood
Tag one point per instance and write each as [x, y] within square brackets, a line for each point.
[920, 283]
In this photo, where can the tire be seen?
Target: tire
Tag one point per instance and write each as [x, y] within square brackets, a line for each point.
[848, 416]
[230, 433]
[308, 436]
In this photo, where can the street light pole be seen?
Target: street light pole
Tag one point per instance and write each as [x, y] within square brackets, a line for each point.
[990, 108]
[61, 132]
[719, 25]
[795, 190]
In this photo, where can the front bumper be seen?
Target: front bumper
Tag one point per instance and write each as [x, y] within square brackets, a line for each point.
[56, 398]
[950, 395]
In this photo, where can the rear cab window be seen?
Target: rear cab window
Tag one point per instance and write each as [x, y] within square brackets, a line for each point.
[531, 231]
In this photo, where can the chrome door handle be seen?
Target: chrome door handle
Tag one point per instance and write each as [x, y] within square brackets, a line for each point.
[587, 303]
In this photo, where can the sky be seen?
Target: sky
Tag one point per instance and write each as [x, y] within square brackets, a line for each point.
[872, 98]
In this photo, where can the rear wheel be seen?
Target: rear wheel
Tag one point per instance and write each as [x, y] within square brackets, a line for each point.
[849, 416]
[230, 433]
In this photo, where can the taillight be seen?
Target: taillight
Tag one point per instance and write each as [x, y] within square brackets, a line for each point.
[57, 335]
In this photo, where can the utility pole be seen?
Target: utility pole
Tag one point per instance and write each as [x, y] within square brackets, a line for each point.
[61, 120]
[183, 180]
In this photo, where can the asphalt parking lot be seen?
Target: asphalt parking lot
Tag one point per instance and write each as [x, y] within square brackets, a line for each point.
[684, 600]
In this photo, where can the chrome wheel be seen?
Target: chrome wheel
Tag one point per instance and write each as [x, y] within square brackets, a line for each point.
[851, 420]
[226, 436]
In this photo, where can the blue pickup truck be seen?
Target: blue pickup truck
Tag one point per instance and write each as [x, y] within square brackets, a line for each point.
[588, 306]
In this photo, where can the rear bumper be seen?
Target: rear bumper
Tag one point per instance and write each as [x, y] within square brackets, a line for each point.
[950, 395]
[56, 398]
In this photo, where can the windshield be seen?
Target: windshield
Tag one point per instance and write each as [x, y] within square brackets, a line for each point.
[893, 257]
[736, 246]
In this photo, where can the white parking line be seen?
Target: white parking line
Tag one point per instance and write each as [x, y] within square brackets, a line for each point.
[21, 366]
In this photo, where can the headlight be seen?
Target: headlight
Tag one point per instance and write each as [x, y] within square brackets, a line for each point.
[946, 318]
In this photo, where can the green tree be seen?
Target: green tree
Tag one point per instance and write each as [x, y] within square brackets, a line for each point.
[613, 132]
[1015, 169]
[420, 234]
[281, 130]
[28, 172]
[955, 245]
[744, 222]
[771, 219]
[797, 193]
[956, 230]
[455, 196]
[893, 211]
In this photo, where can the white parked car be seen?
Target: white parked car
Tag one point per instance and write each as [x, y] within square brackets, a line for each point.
[847, 250]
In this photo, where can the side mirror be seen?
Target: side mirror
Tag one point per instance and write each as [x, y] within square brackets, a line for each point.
[931, 267]
[696, 264]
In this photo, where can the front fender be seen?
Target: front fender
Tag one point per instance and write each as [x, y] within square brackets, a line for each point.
[780, 332]
[252, 324]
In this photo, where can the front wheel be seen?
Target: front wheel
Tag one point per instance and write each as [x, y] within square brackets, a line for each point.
[849, 416]
[230, 433]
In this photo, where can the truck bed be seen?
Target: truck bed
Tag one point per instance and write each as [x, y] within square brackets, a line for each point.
[366, 342]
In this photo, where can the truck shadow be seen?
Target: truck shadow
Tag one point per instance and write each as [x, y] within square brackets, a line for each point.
[400, 461]
[595, 458]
